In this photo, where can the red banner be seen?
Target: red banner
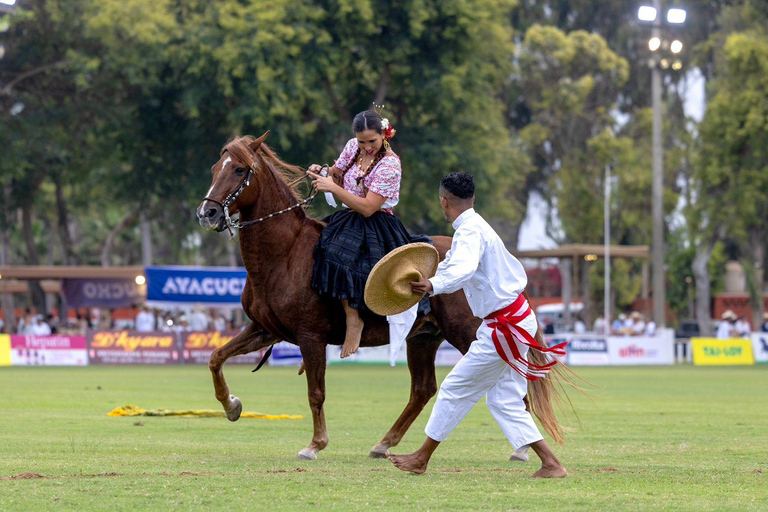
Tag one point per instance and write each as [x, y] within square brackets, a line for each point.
[197, 347]
[132, 347]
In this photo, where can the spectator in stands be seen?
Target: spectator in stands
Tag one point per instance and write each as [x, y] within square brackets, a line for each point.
[743, 327]
[726, 328]
[638, 324]
[182, 325]
[218, 322]
[579, 327]
[145, 320]
[549, 327]
[765, 321]
[25, 321]
[198, 320]
[39, 327]
[599, 325]
[618, 324]
[2, 325]
[650, 327]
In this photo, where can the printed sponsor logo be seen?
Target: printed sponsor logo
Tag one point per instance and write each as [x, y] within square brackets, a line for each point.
[589, 345]
[724, 351]
[208, 286]
[109, 291]
[129, 342]
[207, 340]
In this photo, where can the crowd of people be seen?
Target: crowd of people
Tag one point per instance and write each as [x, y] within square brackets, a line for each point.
[198, 320]
[633, 324]
[735, 326]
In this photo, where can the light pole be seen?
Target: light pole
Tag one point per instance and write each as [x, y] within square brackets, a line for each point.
[657, 63]
[607, 241]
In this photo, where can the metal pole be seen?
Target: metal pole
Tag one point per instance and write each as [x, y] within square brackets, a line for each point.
[607, 238]
[657, 243]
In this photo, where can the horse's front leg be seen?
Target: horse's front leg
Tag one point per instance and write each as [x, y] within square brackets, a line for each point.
[313, 352]
[252, 338]
[421, 363]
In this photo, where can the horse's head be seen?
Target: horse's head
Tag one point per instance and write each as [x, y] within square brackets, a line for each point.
[230, 186]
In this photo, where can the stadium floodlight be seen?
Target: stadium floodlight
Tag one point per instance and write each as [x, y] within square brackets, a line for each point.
[676, 16]
[677, 66]
[664, 63]
[8, 2]
[647, 13]
[654, 43]
[676, 46]
[140, 280]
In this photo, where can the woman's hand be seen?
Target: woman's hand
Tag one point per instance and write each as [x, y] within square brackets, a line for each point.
[421, 287]
[321, 184]
[315, 168]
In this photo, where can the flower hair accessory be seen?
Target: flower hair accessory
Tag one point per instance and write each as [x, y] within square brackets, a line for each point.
[388, 131]
[386, 128]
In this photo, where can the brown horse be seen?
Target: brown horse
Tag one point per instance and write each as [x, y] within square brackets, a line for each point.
[251, 180]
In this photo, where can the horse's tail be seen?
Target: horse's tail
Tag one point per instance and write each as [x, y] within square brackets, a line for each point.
[543, 393]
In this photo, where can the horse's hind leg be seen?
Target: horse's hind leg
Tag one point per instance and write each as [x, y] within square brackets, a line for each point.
[314, 356]
[421, 363]
[252, 338]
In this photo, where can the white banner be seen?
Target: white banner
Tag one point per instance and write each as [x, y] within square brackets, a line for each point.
[638, 350]
[760, 347]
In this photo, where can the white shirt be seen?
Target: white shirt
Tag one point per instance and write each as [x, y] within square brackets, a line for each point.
[638, 328]
[650, 328]
[198, 321]
[579, 327]
[480, 264]
[219, 324]
[145, 321]
[742, 328]
[724, 330]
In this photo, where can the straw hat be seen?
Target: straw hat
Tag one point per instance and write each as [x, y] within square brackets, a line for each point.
[728, 314]
[388, 290]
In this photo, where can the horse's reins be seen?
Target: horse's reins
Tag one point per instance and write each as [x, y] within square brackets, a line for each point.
[247, 181]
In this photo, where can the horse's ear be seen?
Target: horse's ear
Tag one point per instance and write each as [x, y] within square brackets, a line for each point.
[257, 143]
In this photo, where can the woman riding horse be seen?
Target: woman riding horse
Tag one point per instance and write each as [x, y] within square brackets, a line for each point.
[366, 179]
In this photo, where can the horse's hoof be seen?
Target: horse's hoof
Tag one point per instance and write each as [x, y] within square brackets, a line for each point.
[306, 454]
[234, 413]
[377, 455]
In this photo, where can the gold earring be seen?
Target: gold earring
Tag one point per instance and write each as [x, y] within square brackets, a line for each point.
[387, 147]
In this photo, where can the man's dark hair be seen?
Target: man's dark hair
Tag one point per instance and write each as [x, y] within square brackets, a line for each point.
[460, 184]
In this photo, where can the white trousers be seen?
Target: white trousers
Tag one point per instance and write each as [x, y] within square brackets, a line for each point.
[482, 371]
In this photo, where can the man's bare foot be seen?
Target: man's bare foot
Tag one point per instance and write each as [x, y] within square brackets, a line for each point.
[302, 367]
[352, 339]
[550, 472]
[412, 463]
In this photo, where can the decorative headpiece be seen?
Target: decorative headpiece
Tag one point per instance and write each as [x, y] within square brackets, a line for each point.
[388, 131]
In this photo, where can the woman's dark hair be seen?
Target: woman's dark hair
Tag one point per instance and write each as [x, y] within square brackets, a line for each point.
[367, 120]
[460, 184]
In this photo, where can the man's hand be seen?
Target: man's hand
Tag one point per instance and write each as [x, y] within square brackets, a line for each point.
[421, 287]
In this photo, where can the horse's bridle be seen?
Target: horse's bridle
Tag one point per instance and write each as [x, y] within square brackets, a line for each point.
[233, 195]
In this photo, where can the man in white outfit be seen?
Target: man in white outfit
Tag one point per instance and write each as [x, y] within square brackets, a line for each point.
[496, 364]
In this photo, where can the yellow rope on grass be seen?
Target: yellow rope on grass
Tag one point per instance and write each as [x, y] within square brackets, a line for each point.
[132, 410]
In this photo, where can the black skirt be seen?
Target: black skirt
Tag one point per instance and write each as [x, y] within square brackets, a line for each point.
[348, 249]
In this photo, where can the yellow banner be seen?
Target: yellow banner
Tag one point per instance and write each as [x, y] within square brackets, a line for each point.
[712, 351]
[5, 350]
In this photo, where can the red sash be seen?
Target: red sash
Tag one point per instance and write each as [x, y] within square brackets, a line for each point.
[506, 334]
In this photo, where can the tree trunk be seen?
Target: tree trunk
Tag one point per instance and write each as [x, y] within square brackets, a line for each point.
[5, 244]
[587, 313]
[700, 269]
[106, 252]
[567, 280]
[67, 246]
[146, 241]
[36, 292]
[756, 279]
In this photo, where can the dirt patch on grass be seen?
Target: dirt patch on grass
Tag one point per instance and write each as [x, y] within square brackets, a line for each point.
[760, 471]
[24, 476]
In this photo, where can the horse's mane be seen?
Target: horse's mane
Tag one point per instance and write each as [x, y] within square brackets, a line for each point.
[290, 175]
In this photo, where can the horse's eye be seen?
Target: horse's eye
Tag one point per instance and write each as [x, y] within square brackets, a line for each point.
[239, 171]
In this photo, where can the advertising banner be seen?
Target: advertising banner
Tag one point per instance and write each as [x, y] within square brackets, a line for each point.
[210, 286]
[53, 350]
[285, 354]
[101, 293]
[712, 351]
[197, 347]
[639, 350]
[760, 347]
[131, 347]
[585, 350]
[5, 350]
[447, 355]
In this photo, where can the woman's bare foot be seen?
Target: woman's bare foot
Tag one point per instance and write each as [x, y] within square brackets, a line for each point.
[413, 463]
[545, 471]
[354, 333]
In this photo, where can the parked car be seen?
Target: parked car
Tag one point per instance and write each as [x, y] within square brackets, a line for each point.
[687, 329]
[556, 313]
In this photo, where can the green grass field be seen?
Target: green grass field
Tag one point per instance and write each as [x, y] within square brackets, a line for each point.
[675, 438]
